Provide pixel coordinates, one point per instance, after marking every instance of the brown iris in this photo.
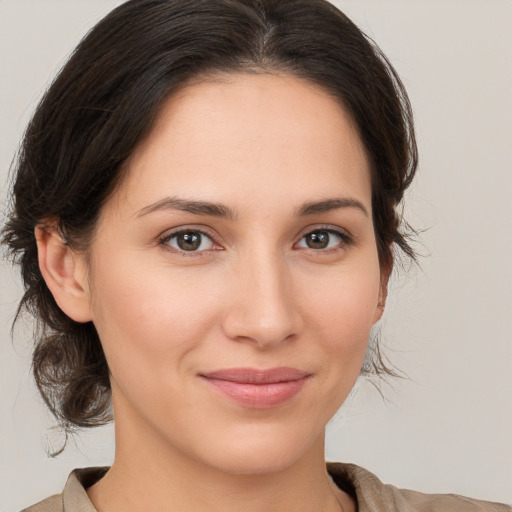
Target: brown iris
(317, 239)
(188, 241)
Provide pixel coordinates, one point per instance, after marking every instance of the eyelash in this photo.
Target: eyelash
(187, 254)
(345, 241)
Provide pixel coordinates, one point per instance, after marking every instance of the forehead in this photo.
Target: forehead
(254, 133)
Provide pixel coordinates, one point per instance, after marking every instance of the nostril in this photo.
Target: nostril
(265, 327)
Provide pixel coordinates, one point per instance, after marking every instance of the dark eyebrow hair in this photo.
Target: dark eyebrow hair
(331, 204)
(220, 210)
(191, 206)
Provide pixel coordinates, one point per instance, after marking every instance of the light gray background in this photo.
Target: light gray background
(449, 427)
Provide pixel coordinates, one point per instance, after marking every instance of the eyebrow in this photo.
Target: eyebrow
(198, 207)
(327, 205)
(191, 206)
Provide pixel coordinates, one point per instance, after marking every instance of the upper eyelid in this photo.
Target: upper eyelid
(167, 234)
(208, 231)
(165, 238)
(346, 239)
(326, 227)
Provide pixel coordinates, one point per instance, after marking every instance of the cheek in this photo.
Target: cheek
(341, 314)
(150, 315)
(344, 305)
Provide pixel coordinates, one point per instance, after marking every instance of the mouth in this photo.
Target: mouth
(255, 388)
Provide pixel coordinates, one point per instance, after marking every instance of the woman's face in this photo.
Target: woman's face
(240, 241)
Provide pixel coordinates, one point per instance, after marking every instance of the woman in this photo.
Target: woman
(205, 208)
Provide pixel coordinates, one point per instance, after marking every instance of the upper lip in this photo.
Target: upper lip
(257, 376)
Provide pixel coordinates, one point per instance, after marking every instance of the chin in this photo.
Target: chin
(257, 454)
(256, 464)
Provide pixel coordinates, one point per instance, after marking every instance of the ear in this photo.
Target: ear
(64, 272)
(383, 293)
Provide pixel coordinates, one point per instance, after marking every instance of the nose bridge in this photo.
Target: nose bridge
(262, 309)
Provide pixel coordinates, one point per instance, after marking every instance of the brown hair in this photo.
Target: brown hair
(103, 103)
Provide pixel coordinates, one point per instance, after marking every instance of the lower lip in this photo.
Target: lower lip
(258, 396)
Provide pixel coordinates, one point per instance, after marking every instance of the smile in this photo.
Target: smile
(258, 389)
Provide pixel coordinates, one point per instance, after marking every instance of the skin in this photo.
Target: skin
(254, 295)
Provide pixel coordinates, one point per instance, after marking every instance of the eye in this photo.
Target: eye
(189, 241)
(322, 239)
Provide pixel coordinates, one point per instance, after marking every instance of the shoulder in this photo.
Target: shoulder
(374, 496)
(74, 496)
(51, 504)
(450, 502)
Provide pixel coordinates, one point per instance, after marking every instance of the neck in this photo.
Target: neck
(152, 485)
(150, 475)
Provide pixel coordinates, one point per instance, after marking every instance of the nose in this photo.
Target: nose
(262, 309)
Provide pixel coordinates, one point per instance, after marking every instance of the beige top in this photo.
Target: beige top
(370, 493)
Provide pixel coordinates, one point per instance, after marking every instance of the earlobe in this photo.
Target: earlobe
(383, 294)
(379, 311)
(63, 271)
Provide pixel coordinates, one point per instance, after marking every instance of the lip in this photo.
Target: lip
(256, 388)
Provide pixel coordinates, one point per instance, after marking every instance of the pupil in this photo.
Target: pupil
(318, 240)
(189, 241)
